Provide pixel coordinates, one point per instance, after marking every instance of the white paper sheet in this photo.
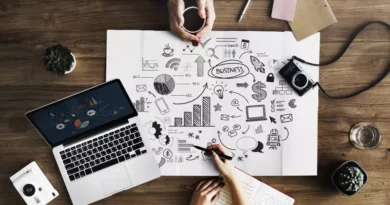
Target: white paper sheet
(178, 90)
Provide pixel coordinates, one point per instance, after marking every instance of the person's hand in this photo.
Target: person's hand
(206, 11)
(207, 192)
(176, 18)
(225, 166)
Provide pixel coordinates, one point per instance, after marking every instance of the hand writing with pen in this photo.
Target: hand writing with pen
(207, 191)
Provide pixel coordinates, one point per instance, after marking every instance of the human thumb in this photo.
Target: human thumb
(202, 8)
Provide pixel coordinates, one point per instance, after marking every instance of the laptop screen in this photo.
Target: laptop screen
(82, 113)
(257, 111)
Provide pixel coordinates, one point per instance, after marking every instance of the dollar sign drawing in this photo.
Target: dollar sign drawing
(167, 153)
(260, 93)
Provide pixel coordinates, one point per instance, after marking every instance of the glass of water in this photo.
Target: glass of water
(365, 136)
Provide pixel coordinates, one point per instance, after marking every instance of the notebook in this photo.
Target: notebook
(284, 9)
(310, 17)
(258, 192)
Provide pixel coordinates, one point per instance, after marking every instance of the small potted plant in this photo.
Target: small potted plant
(349, 178)
(60, 60)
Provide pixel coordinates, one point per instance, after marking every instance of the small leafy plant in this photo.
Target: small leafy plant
(58, 59)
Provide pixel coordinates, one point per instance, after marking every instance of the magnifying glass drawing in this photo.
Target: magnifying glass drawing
(210, 52)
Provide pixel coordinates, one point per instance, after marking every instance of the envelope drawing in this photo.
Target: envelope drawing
(141, 88)
(225, 117)
(286, 118)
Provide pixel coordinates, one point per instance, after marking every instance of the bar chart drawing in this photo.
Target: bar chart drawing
(140, 105)
(199, 117)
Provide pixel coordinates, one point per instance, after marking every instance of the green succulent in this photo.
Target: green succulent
(350, 179)
(58, 59)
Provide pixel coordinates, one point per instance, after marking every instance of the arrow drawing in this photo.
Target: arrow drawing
(288, 134)
(234, 116)
(242, 85)
(205, 86)
(239, 109)
(244, 53)
(151, 94)
(210, 63)
(200, 65)
(219, 136)
(254, 79)
(246, 130)
(231, 92)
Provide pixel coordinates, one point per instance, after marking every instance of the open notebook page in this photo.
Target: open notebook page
(249, 184)
(267, 195)
(257, 192)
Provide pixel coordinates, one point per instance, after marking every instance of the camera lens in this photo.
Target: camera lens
(300, 80)
(29, 190)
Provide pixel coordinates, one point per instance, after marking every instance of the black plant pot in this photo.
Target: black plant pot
(336, 173)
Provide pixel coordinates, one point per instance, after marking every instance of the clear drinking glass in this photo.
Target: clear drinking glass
(365, 136)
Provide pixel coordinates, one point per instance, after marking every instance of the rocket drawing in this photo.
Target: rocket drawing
(259, 66)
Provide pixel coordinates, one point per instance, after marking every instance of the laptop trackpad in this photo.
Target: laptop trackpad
(114, 180)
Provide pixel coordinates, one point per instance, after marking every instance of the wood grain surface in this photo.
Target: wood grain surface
(27, 27)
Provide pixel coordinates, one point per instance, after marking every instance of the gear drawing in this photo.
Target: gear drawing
(167, 140)
(157, 128)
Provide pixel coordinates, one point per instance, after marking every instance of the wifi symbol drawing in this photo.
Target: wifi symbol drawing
(174, 64)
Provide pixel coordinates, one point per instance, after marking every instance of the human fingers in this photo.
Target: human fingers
(210, 19)
(186, 36)
(202, 8)
(200, 184)
(215, 199)
(217, 147)
(220, 164)
(215, 191)
(176, 10)
(212, 186)
(206, 184)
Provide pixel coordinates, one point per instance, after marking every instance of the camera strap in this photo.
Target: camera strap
(340, 54)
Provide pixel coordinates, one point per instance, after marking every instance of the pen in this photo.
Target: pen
(186, 187)
(220, 154)
(244, 10)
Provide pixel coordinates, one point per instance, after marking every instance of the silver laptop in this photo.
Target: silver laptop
(98, 142)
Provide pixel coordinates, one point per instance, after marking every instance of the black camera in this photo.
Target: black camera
(296, 78)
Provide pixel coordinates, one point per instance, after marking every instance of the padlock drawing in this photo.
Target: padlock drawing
(270, 78)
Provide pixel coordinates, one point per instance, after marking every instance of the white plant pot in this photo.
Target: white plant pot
(73, 65)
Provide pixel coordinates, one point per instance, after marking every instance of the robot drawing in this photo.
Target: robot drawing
(273, 140)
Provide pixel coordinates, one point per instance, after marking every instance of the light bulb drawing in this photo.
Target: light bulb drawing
(218, 90)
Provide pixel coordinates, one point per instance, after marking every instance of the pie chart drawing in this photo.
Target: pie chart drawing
(164, 84)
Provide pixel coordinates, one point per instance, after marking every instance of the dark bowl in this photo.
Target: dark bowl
(353, 164)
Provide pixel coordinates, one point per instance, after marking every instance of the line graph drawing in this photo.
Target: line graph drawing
(150, 65)
(205, 86)
(189, 48)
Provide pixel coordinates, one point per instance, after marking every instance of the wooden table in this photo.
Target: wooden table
(27, 27)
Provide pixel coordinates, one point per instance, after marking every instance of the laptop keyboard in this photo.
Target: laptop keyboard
(103, 151)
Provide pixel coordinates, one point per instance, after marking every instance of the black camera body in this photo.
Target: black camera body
(296, 78)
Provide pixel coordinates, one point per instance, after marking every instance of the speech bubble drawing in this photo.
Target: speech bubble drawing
(236, 127)
(246, 143)
(232, 133)
(259, 147)
(229, 69)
